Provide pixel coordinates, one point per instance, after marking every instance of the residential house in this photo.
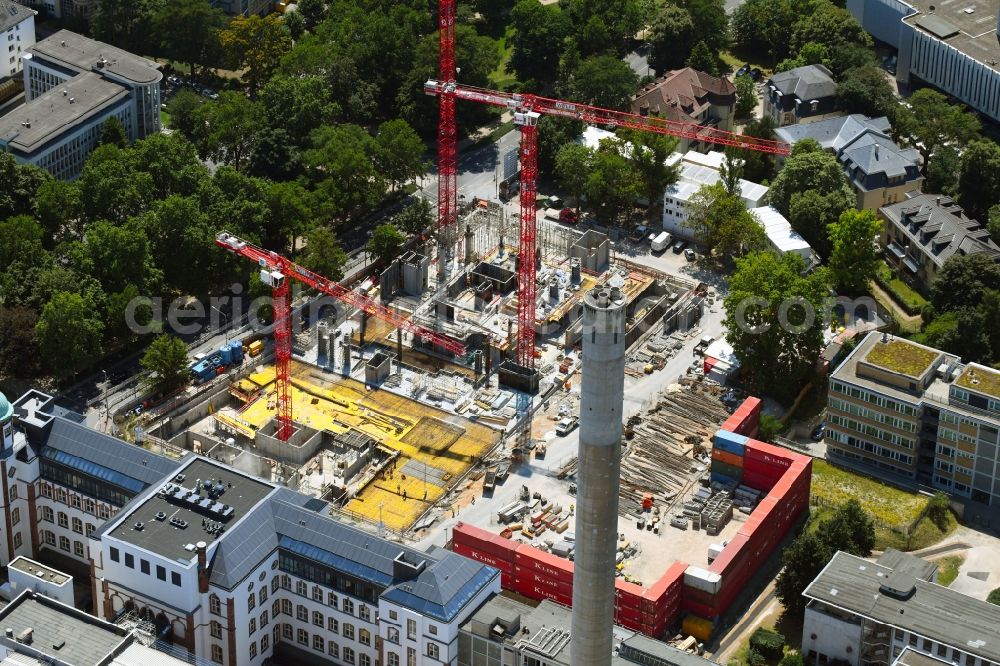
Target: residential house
(801, 95)
(689, 96)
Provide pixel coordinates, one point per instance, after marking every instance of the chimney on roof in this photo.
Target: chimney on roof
(200, 548)
(876, 151)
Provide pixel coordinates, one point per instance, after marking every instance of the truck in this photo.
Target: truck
(552, 214)
(661, 242)
(566, 425)
(256, 347)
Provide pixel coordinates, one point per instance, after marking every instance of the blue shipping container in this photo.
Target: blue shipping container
(730, 442)
(723, 479)
(226, 354)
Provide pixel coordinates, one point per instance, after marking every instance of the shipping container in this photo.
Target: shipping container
(725, 469)
(486, 558)
(698, 627)
(484, 541)
(758, 480)
(725, 480)
(731, 559)
(700, 609)
(506, 581)
(528, 589)
(669, 585)
(770, 453)
(699, 596)
(256, 347)
(624, 612)
(527, 576)
(702, 579)
(766, 468)
(726, 457)
(544, 563)
(745, 420)
(730, 442)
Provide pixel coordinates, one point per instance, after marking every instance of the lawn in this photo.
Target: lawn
(734, 61)
(893, 509)
(948, 569)
(164, 118)
(500, 77)
(905, 295)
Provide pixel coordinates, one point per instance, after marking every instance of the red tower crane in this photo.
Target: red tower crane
(527, 109)
(447, 133)
(276, 270)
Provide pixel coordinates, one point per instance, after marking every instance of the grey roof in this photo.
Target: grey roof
(165, 538)
(444, 588)
(29, 127)
(12, 13)
(639, 648)
(832, 133)
(897, 560)
(83, 54)
(109, 452)
(939, 226)
(911, 657)
(807, 83)
(926, 609)
(84, 640)
(875, 153)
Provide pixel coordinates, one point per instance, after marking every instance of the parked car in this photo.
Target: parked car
(819, 432)
(742, 71)
(639, 233)
(566, 425)
(756, 74)
(568, 216)
(689, 254)
(679, 246)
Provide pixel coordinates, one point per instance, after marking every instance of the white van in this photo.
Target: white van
(661, 242)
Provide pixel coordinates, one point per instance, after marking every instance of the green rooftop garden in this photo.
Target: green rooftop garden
(902, 357)
(980, 380)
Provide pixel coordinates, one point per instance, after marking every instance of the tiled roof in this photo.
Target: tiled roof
(807, 83)
(683, 94)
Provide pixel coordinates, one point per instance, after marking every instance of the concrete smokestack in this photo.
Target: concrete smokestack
(602, 392)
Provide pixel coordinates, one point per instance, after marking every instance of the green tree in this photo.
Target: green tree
(298, 105)
(850, 529)
(604, 81)
(182, 237)
(672, 38)
(184, 112)
(19, 184)
(723, 223)
(931, 121)
(111, 188)
(854, 257)
(758, 167)
(710, 22)
(866, 90)
(811, 191)
(772, 315)
(256, 44)
(19, 355)
(994, 597)
(295, 24)
(979, 178)
(171, 161)
(323, 253)
(746, 96)
(792, 659)
(165, 363)
(963, 281)
(292, 211)
(69, 333)
(313, 12)
(613, 184)
(415, 218)
(120, 256)
(554, 132)
(341, 164)
(801, 563)
(124, 23)
(763, 27)
(731, 172)
(573, 166)
(770, 428)
(22, 243)
(943, 171)
(604, 26)
(113, 132)
(57, 208)
(648, 157)
(539, 32)
(939, 508)
(188, 31)
(399, 153)
(827, 24)
(228, 129)
(386, 243)
(968, 338)
(703, 59)
(993, 222)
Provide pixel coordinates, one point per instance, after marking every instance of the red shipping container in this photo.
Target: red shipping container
(757, 480)
(669, 583)
(539, 593)
(633, 625)
(731, 558)
(631, 614)
(727, 457)
(699, 596)
(506, 581)
(545, 563)
(770, 470)
(485, 558)
(527, 576)
(484, 541)
(700, 609)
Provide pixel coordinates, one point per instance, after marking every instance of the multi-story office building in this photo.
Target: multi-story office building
(917, 412)
(229, 567)
(72, 84)
(868, 614)
(949, 45)
(17, 34)
(63, 8)
(245, 7)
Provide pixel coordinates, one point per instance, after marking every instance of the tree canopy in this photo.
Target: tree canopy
(854, 257)
(386, 243)
(931, 121)
(979, 178)
(166, 362)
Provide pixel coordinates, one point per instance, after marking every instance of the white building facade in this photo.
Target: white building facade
(17, 35)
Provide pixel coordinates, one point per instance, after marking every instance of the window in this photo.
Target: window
(74, 501)
(392, 635)
(348, 631)
(265, 642)
(47, 514)
(286, 631)
(333, 649)
(251, 602)
(433, 651)
(411, 657)
(942, 650)
(411, 629)
(317, 618)
(50, 537)
(364, 637)
(161, 573)
(217, 653)
(215, 629)
(286, 606)
(262, 595)
(77, 546)
(365, 613)
(302, 636)
(175, 578)
(317, 593)
(103, 511)
(64, 543)
(253, 626)
(77, 524)
(331, 599)
(318, 643)
(348, 655)
(90, 529)
(17, 543)
(301, 587)
(392, 659)
(15, 516)
(393, 615)
(253, 650)
(63, 520)
(214, 605)
(364, 660)
(265, 617)
(89, 505)
(129, 560)
(348, 606)
(286, 582)
(144, 566)
(301, 613)
(433, 629)
(274, 584)
(332, 625)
